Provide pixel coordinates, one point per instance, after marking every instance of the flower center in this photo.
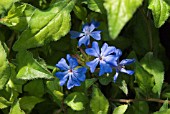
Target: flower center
(87, 33)
(101, 57)
(70, 71)
(120, 67)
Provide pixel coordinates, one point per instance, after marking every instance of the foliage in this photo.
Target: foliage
(69, 56)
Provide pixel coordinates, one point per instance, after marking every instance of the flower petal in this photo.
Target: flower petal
(75, 80)
(84, 40)
(118, 53)
(72, 61)
(60, 75)
(104, 68)
(94, 51)
(62, 65)
(63, 76)
(93, 25)
(106, 50)
(115, 77)
(91, 52)
(93, 64)
(130, 72)
(127, 61)
(80, 73)
(111, 60)
(75, 34)
(86, 28)
(70, 83)
(96, 35)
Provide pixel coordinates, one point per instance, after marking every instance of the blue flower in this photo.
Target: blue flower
(87, 31)
(120, 67)
(104, 59)
(69, 72)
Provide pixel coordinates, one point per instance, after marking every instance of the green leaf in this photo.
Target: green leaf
(55, 23)
(71, 111)
(15, 109)
(145, 35)
(119, 12)
(165, 94)
(99, 104)
(4, 67)
(144, 79)
(27, 103)
(80, 12)
(138, 108)
(160, 11)
(28, 73)
(30, 68)
(13, 82)
(18, 16)
(121, 42)
(85, 85)
(154, 67)
(106, 79)
(2, 36)
(55, 90)
(54, 85)
(76, 101)
(35, 85)
(4, 103)
(89, 82)
(96, 5)
(5, 5)
(120, 110)
(163, 112)
(14, 95)
(164, 106)
(123, 87)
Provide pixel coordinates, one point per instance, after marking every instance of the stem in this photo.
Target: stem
(137, 100)
(51, 67)
(59, 111)
(84, 54)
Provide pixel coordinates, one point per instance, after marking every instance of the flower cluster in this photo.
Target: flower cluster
(106, 58)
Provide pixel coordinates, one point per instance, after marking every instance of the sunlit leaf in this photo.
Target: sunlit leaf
(119, 12)
(55, 24)
(144, 79)
(123, 87)
(15, 109)
(164, 106)
(76, 100)
(99, 104)
(162, 112)
(154, 67)
(96, 5)
(120, 110)
(160, 11)
(4, 103)
(30, 68)
(28, 73)
(4, 67)
(5, 5)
